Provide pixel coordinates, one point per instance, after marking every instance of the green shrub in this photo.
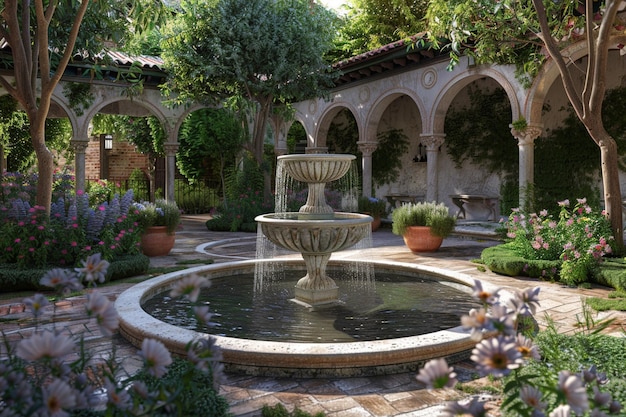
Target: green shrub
(200, 399)
(504, 259)
(13, 279)
(436, 216)
(279, 410)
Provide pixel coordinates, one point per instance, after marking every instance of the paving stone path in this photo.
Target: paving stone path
(394, 395)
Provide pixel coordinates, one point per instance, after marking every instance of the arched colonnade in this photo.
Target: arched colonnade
(431, 88)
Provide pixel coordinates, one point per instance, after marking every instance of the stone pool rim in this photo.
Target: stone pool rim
(283, 359)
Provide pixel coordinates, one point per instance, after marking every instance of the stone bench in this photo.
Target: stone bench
(489, 202)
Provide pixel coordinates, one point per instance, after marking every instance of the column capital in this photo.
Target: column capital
(170, 148)
(367, 148)
(527, 135)
(432, 141)
(80, 146)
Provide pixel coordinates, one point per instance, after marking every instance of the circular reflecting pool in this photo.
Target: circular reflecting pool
(396, 305)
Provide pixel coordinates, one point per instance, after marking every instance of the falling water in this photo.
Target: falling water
(359, 273)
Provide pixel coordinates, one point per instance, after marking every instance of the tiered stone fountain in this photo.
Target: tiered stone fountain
(315, 231)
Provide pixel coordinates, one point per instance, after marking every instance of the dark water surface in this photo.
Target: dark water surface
(395, 306)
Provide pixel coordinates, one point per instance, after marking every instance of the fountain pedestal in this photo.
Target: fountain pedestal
(315, 231)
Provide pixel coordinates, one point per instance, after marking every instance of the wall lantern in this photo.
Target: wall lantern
(108, 142)
(421, 154)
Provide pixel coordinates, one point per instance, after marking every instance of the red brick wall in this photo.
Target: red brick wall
(123, 159)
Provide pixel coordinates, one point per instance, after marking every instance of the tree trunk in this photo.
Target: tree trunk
(45, 164)
(611, 184)
(258, 137)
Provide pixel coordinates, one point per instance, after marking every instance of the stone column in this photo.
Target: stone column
(367, 149)
(170, 169)
(432, 142)
(79, 162)
(526, 144)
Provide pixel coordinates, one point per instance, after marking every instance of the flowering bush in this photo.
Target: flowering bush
(100, 191)
(74, 230)
(579, 238)
(505, 352)
(50, 372)
(159, 213)
(15, 185)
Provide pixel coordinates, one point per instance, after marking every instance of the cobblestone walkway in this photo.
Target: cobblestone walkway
(394, 395)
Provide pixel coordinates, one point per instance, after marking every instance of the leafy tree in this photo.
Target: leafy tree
(210, 140)
(43, 35)
(519, 32)
(252, 54)
(370, 24)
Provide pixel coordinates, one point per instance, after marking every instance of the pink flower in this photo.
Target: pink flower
(45, 345)
(156, 357)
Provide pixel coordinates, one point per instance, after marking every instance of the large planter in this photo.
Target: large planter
(155, 241)
(420, 239)
(376, 223)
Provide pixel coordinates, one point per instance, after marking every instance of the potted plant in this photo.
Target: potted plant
(375, 207)
(423, 226)
(158, 222)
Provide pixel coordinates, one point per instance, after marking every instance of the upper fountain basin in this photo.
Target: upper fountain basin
(296, 232)
(317, 168)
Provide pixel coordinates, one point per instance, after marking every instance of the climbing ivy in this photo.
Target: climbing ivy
(479, 134)
(79, 96)
(386, 159)
(567, 161)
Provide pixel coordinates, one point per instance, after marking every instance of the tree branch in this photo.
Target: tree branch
(555, 54)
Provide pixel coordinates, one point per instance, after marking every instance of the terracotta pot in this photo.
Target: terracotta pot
(156, 242)
(375, 223)
(420, 239)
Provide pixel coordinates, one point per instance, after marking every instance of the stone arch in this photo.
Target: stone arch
(549, 73)
(380, 105)
(450, 90)
(321, 133)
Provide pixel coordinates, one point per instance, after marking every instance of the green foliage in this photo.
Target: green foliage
(603, 304)
(79, 96)
(587, 350)
(498, 32)
(369, 24)
(279, 410)
(479, 132)
(195, 198)
(436, 216)
(373, 206)
(392, 144)
(232, 47)
(567, 165)
(579, 237)
(244, 200)
(505, 260)
(612, 273)
(210, 140)
(123, 266)
(199, 397)
(567, 162)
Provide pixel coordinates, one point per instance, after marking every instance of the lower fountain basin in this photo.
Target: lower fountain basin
(280, 359)
(302, 233)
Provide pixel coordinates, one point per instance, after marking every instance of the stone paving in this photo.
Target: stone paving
(393, 395)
